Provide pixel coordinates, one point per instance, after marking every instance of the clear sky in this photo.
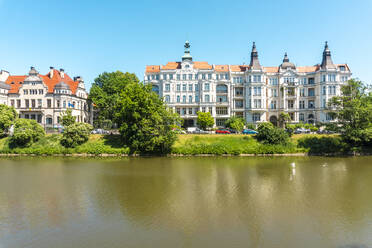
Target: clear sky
(88, 37)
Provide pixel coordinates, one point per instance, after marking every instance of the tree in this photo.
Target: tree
(236, 123)
(204, 120)
(67, 119)
(353, 111)
(7, 117)
(106, 90)
(268, 134)
(284, 118)
(26, 132)
(76, 134)
(145, 121)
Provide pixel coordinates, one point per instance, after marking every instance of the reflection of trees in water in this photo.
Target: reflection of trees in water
(196, 194)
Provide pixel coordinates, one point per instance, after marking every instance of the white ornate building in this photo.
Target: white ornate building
(254, 92)
(44, 97)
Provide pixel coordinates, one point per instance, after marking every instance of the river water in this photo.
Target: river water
(186, 202)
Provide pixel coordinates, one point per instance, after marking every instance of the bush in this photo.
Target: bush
(26, 132)
(76, 134)
(250, 126)
(323, 145)
(268, 134)
(236, 123)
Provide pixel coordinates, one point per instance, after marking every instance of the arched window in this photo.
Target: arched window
(221, 88)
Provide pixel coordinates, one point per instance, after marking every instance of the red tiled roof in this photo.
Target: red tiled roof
(239, 68)
(271, 69)
(308, 68)
(202, 65)
(153, 68)
(171, 66)
(221, 68)
(15, 82)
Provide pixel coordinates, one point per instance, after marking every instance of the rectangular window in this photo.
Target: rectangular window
(190, 87)
(196, 87)
(302, 104)
(221, 111)
(221, 99)
(178, 99)
(203, 76)
(190, 76)
(239, 104)
(329, 117)
(18, 103)
(220, 122)
(49, 103)
(302, 92)
(184, 87)
(290, 104)
(171, 76)
(257, 103)
(323, 78)
(256, 117)
(209, 76)
(273, 105)
(12, 103)
(167, 98)
(311, 104)
(311, 92)
(33, 103)
(178, 77)
(206, 87)
(238, 91)
(324, 90)
(190, 99)
(190, 111)
(311, 81)
(206, 98)
(157, 76)
(197, 98)
(184, 99)
(167, 87)
(39, 103)
(178, 88)
(184, 77)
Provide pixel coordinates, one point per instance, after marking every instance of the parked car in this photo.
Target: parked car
(249, 131)
(199, 131)
(100, 131)
(232, 130)
(179, 131)
(222, 131)
(301, 130)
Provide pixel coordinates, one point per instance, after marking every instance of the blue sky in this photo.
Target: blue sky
(87, 38)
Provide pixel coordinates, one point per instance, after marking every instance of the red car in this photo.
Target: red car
(223, 131)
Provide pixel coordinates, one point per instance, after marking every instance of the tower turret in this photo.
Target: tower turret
(327, 62)
(187, 56)
(255, 63)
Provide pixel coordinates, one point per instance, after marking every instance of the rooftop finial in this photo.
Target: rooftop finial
(255, 63)
(187, 55)
(286, 59)
(327, 60)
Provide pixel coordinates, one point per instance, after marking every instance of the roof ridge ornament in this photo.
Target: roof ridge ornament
(187, 56)
(327, 62)
(255, 63)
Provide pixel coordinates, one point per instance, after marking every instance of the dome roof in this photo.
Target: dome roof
(286, 64)
(33, 76)
(62, 86)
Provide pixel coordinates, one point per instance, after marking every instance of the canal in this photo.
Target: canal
(186, 202)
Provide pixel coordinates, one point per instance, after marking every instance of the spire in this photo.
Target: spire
(286, 59)
(187, 56)
(327, 62)
(255, 63)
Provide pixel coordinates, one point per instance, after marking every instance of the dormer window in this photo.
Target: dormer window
(187, 66)
(342, 68)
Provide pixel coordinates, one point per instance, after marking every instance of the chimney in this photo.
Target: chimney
(51, 73)
(62, 72)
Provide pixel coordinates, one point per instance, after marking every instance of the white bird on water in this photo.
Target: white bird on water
(293, 165)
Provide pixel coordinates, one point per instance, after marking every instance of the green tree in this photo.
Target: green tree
(106, 90)
(268, 134)
(204, 120)
(284, 118)
(67, 119)
(26, 132)
(145, 121)
(7, 117)
(353, 110)
(236, 123)
(76, 134)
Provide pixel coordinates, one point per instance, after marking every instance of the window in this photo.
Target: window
(324, 90)
(256, 117)
(39, 117)
(167, 98)
(64, 104)
(311, 92)
(302, 117)
(196, 87)
(49, 121)
(58, 104)
(311, 81)
(332, 78)
(184, 99)
(49, 103)
(39, 103)
(302, 104)
(190, 111)
(206, 98)
(178, 99)
(184, 87)
(220, 122)
(197, 98)
(221, 98)
(302, 92)
(323, 78)
(256, 78)
(290, 104)
(203, 76)
(343, 78)
(311, 104)
(329, 117)
(178, 88)
(209, 76)
(273, 81)
(178, 77)
(12, 103)
(257, 91)
(206, 86)
(184, 77)
(190, 99)
(178, 110)
(274, 93)
(165, 76)
(221, 111)
(257, 103)
(239, 104)
(25, 92)
(157, 76)
(18, 103)
(273, 105)
(332, 90)
(203, 109)
(171, 76)
(33, 103)
(303, 81)
(183, 111)
(190, 87)
(221, 88)
(342, 68)
(238, 91)
(167, 87)
(324, 103)
(41, 92)
(27, 116)
(190, 76)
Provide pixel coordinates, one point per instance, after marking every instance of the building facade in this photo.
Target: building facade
(253, 92)
(45, 97)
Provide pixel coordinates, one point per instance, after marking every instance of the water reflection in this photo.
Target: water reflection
(187, 202)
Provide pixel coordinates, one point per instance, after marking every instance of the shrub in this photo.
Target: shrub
(322, 145)
(26, 132)
(236, 123)
(76, 134)
(67, 119)
(251, 126)
(268, 134)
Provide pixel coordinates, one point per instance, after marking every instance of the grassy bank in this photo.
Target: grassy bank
(190, 144)
(50, 145)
